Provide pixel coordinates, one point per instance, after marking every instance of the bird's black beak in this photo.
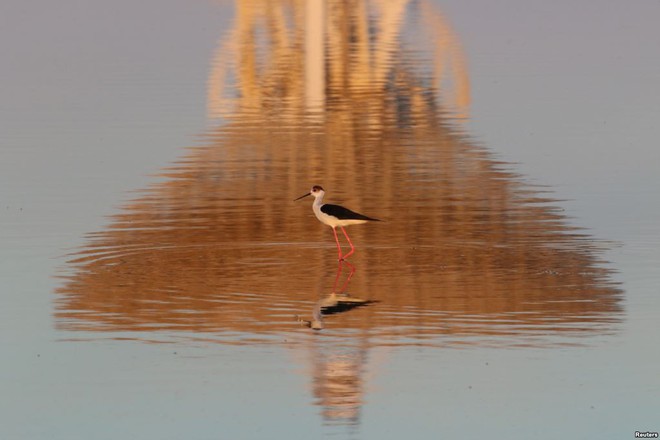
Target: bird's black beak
(302, 197)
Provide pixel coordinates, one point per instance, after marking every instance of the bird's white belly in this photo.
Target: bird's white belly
(334, 221)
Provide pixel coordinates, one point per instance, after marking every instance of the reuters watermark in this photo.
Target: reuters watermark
(646, 434)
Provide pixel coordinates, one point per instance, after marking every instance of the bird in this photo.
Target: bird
(335, 216)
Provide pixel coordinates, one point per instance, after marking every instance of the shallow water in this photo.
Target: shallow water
(495, 298)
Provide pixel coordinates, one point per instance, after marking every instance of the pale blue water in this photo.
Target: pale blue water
(97, 96)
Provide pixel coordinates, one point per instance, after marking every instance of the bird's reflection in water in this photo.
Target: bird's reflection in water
(337, 369)
(337, 301)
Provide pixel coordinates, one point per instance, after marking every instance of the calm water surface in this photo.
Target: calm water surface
(496, 299)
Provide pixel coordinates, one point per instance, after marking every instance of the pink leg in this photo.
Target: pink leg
(349, 242)
(338, 245)
(350, 275)
(334, 286)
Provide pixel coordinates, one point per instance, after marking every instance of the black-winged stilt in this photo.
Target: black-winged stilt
(335, 215)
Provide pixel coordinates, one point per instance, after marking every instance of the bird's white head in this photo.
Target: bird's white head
(316, 191)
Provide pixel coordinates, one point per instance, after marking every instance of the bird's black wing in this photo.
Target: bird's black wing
(344, 214)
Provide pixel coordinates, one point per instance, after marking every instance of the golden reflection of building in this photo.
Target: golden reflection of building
(294, 58)
(337, 381)
(468, 255)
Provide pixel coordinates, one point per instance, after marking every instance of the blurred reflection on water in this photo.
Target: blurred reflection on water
(467, 251)
(468, 254)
